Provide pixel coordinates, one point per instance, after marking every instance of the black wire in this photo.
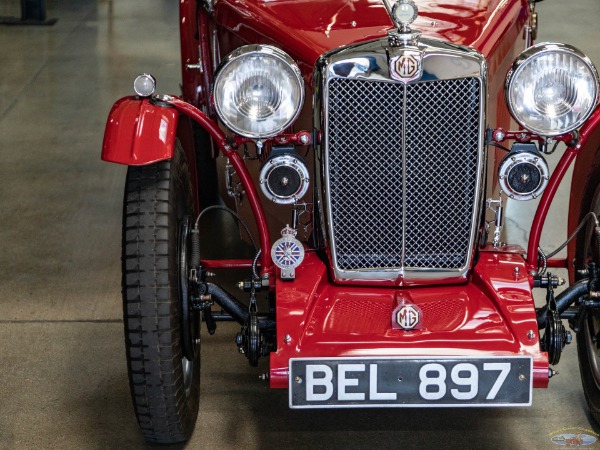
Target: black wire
(234, 214)
(495, 144)
(544, 258)
(254, 264)
(589, 215)
(553, 148)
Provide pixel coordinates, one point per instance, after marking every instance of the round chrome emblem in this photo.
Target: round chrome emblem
(404, 13)
(288, 252)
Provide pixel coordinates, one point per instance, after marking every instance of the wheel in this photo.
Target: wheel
(164, 375)
(588, 338)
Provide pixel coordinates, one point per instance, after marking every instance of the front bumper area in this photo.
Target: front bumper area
(492, 315)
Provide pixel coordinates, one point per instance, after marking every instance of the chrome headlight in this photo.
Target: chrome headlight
(552, 89)
(258, 91)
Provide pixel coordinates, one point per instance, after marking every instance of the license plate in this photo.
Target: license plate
(410, 382)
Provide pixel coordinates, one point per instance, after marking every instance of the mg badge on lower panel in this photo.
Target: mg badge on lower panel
(407, 316)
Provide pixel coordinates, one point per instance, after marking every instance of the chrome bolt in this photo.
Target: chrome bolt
(568, 337)
(353, 24)
(287, 339)
(197, 341)
(298, 379)
(517, 271)
(522, 377)
(530, 334)
(197, 66)
(304, 139)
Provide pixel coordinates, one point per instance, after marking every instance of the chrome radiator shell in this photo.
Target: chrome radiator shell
(379, 137)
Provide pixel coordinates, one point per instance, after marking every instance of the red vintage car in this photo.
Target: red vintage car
(365, 149)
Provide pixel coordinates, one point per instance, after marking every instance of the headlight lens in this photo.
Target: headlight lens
(258, 91)
(552, 89)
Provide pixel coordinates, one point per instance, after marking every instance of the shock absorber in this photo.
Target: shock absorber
(195, 256)
(202, 299)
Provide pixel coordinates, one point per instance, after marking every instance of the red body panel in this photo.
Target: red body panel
(306, 29)
(492, 315)
(138, 132)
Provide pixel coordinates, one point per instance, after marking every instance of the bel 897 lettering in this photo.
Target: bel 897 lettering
(433, 380)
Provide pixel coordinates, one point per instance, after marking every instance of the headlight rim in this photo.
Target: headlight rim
(258, 49)
(536, 51)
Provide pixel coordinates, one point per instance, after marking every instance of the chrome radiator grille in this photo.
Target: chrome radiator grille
(402, 164)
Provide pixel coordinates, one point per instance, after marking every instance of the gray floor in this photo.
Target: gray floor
(63, 381)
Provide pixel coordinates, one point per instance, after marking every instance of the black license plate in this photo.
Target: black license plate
(410, 382)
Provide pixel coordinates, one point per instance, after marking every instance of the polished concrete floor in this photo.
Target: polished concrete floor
(63, 381)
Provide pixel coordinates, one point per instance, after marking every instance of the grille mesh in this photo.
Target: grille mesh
(398, 207)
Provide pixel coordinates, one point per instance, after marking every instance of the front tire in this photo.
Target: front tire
(164, 383)
(588, 338)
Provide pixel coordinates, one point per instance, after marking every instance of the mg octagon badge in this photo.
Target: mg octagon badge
(407, 316)
(406, 66)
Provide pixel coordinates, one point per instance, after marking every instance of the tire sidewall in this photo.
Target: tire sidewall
(591, 386)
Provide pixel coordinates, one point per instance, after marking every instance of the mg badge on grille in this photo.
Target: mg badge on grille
(406, 66)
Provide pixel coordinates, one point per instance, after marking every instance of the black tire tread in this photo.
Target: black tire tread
(150, 300)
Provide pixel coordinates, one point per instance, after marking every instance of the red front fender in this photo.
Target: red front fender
(139, 132)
